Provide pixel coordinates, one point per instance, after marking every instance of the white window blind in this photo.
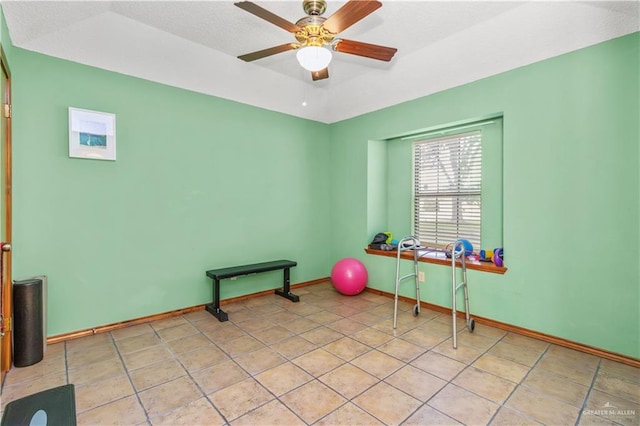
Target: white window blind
(448, 189)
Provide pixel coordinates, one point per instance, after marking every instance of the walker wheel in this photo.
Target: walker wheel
(416, 310)
(471, 324)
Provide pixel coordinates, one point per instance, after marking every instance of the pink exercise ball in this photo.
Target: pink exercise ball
(349, 276)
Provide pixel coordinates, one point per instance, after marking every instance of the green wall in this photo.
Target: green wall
(199, 183)
(570, 194)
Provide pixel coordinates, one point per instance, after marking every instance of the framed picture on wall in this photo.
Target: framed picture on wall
(92, 134)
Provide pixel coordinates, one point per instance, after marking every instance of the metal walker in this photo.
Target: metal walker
(457, 253)
(413, 245)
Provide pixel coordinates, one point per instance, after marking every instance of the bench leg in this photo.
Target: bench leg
(214, 308)
(286, 291)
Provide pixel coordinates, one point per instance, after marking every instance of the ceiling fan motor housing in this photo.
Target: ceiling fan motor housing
(312, 32)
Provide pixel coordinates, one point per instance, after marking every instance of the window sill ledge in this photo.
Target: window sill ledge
(408, 255)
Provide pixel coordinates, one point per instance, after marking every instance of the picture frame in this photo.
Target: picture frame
(92, 134)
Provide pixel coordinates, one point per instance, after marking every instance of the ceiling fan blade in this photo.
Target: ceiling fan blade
(349, 14)
(268, 16)
(320, 75)
(268, 52)
(373, 51)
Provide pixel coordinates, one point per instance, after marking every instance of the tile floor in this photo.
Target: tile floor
(328, 360)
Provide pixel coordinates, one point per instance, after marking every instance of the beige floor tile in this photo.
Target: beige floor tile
(378, 364)
(324, 400)
(367, 318)
(612, 408)
(131, 331)
(145, 357)
(240, 398)
(427, 415)
(343, 310)
(47, 366)
(125, 411)
(166, 397)
(406, 322)
(627, 372)
(293, 347)
(321, 335)
(346, 348)
(387, 403)
(198, 412)
(581, 359)
(509, 417)
(556, 386)
(240, 316)
(156, 374)
(474, 339)
(189, 343)
(266, 309)
(425, 338)
(372, 337)
(520, 340)
(283, 378)
(464, 406)
(260, 360)
(300, 325)
(240, 346)
(177, 332)
(487, 385)
(136, 343)
(219, 376)
(348, 380)
(349, 414)
(520, 354)
(29, 387)
(55, 350)
(168, 322)
(347, 326)
(492, 332)
(464, 354)
(254, 324)
(616, 385)
(401, 349)
(318, 362)
(438, 365)
(501, 367)
(417, 383)
(273, 413)
(272, 335)
(283, 317)
(222, 332)
(302, 308)
(88, 342)
(566, 368)
(324, 317)
(95, 372)
(542, 408)
(202, 358)
(90, 355)
(95, 394)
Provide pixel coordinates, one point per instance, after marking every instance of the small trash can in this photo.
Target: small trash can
(28, 324)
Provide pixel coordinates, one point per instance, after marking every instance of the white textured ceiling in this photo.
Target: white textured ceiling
(194, 44)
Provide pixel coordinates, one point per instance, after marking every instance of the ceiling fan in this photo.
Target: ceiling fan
(316, 34)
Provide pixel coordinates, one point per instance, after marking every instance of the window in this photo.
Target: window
(448, 189)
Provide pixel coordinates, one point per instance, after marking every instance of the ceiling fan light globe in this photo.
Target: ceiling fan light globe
(314, 58)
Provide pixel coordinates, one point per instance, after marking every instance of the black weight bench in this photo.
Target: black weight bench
(237, 271)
